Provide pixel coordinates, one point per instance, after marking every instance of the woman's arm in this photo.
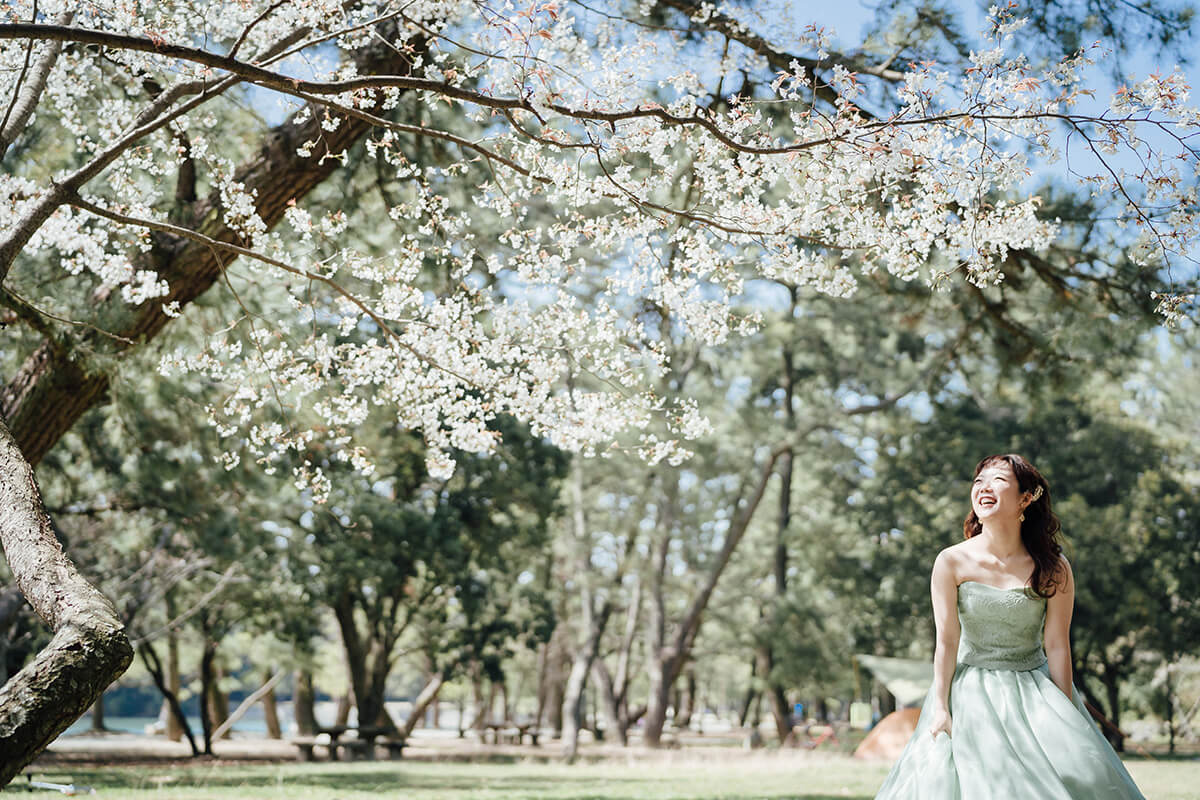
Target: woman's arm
(943, 588)
(1058, 628)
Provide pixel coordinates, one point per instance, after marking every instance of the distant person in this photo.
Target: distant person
(1002, 720)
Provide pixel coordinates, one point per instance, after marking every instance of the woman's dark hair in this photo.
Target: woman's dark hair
(1040, 528)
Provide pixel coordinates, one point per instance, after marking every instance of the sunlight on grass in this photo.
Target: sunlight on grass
(681, 778)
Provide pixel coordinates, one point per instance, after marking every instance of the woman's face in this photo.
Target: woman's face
(995, 494)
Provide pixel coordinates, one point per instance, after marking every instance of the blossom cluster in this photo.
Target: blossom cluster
(611, 186)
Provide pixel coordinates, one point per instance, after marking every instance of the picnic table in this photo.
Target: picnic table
(510, 733)
(361, 744)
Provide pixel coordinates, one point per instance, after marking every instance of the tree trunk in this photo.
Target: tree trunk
(218, 702)
(479, 710)
(224, 729)
(542, 683)
(343, 710)
(89, 649)
(207, 677)
(174, 728)
(556, 683)
(774, 693)
(1170, 691)
(664, 659)
(427, 696)
(594, 621)
(302, 704)
(489, 709)
(367, 662)
(657, 702)
(154, 667)
(98, 715)
(572, 711)
(620, 680)
(773, 689)
(271, 710)
(614, 725)
(744, 714)
(687, 701)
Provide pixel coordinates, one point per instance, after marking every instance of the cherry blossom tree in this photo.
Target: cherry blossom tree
(134, 189)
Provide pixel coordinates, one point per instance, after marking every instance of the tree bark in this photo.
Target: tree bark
(772, 687)
(154, 667)
(614, 725)
(554, 681)
(751, 690)
(342, 717)
(268, 687)
(271, 713)
(687, 701)
(302, 704)
(479, 711)
(25, 102)
(89, 649)
(367, 659)
(11, 601)
(207, 657)
(664, 659)
(98, 715)
(174, 728)
(427, 696)
(580, 667)
(218, 703)
(657, 701)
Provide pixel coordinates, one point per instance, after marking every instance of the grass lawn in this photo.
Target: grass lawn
(686, 777)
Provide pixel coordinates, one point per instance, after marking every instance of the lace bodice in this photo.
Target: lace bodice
(1001, 628)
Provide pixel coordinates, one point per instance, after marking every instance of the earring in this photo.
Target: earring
(1022, 518)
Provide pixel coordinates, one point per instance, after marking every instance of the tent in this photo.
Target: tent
(909, 681)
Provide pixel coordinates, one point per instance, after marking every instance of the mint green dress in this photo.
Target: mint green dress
(1014, 734)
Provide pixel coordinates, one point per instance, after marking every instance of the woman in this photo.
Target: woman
(1002, 720)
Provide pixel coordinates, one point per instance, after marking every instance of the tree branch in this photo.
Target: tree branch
(89, 648)
(26, 97)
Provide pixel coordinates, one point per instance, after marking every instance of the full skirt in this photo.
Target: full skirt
(1014, 736)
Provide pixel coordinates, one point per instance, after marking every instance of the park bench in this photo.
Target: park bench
(305, 745)
(361, 745)
(509, 733)
(357, 749)
(393, 745)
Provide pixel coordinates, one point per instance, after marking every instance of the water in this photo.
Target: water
(252, 724)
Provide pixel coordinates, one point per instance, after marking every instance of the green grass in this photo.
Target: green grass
(687, 777)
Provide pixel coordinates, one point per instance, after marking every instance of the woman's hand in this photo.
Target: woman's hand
(941, 722)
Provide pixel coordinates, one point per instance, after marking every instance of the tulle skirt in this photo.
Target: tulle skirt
(1014, 736)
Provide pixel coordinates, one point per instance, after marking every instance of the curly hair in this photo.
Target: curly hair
(1039, 531)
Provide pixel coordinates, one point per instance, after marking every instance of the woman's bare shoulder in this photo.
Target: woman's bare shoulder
(953, 558)
(1064, 576)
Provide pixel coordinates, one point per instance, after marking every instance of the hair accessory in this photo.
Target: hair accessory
(1037, 492)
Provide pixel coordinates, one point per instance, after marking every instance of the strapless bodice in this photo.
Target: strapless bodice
(1001, 628)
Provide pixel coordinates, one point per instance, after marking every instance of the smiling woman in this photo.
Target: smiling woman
(1002, 693)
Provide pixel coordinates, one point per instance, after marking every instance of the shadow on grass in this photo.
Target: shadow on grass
(384, 780)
